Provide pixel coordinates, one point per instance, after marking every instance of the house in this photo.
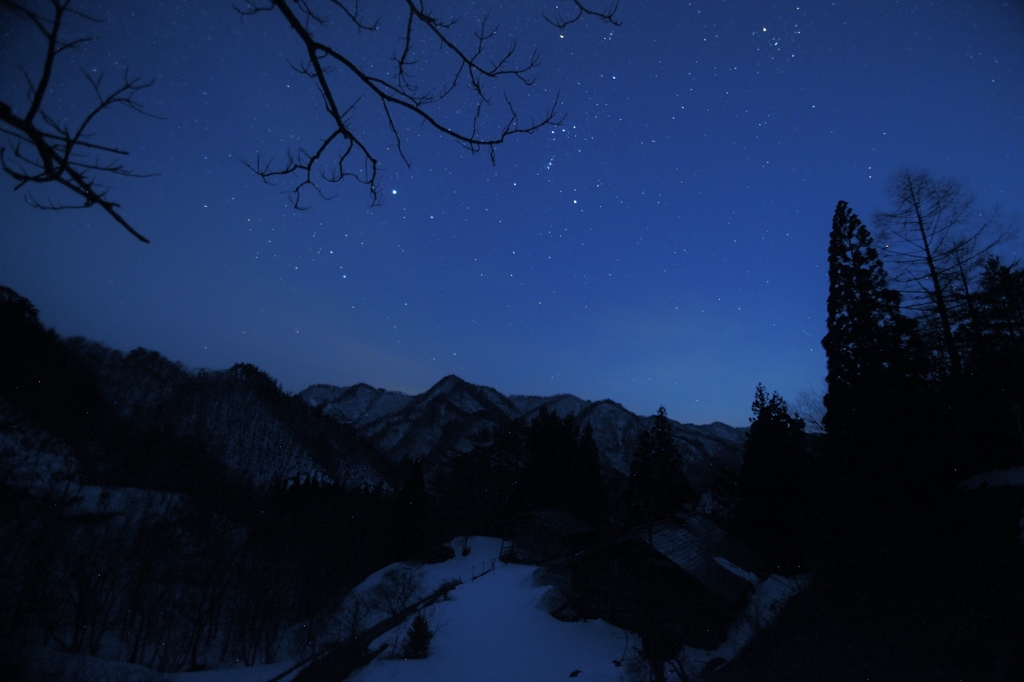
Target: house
(542, 536)
(683, 575)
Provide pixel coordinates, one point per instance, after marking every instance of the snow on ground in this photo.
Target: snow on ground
(495, 628)
(256, 673)
(1010, 477)
(482, 557)
(765, 605)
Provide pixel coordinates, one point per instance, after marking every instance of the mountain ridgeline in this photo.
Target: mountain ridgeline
(148, 509)
(453, 416)
(140, 406)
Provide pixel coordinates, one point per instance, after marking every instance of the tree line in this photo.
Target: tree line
(187, 559)
(925, 375)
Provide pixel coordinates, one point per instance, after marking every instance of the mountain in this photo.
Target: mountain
(140, 419)
(151, 422)
(454, 414)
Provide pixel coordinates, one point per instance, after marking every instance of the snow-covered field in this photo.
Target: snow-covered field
(494, 626)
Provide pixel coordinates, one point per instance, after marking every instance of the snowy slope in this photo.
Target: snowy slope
(450, 415)
(496, 628)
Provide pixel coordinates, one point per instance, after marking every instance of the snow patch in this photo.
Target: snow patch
(1002, 477)
(764, 607)
(737, 571)
(496, 628)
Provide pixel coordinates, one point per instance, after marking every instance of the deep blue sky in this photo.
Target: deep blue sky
(667, 246)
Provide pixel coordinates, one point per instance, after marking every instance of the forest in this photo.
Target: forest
(141, 522)
(189, 519)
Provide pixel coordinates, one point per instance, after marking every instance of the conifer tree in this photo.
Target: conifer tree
(417, 641)
(562, 468)
(1000, 326)
(869, 342)
(774, 486)
(589, 498)
(873, 364)
(657, 484)
(547, 475)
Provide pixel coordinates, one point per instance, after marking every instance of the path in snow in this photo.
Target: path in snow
(495, 628)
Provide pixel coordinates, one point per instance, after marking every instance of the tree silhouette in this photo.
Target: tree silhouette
(992, 391)
(562, 468)
(589, 497)
(938, 240)
(868, 340)
(470, 65)
(417, 641)
(873, 360)
(657, 485)
(482, 481)
(1001, 308)
(46, 151)
(774, 485)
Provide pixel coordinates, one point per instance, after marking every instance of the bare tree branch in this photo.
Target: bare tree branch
(581, 10)
(44, 151)
(937, 240)
(476, 65)
(41, 150)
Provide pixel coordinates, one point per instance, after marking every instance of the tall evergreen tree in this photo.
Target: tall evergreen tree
(481, 486)
(562, 468)
(869, 342)
(992, 392)
(657, 484)
(872, 357)
(774, 485)
(550, 441)
(589, 498)
(1000, 326)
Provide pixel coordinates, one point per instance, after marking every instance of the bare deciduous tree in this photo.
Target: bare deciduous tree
(810, 406)
(937, 239)
(399, 89)
(44, 151)
(396, 590)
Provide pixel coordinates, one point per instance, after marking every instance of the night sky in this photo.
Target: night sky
(666, 246)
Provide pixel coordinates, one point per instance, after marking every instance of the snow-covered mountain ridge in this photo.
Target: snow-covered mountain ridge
(453, 414)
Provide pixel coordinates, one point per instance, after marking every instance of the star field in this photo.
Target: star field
(666, 246)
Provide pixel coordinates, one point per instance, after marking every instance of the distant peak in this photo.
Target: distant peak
(448, 382)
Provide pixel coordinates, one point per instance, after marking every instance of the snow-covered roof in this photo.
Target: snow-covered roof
(694, 544)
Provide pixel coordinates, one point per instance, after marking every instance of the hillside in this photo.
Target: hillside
(178, 518)
(453, 415)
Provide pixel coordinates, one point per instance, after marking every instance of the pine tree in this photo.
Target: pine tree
(589, 500)
(774, 485)
(869, 342)
(417, 641)
(547, 474)
(562, 469)
(873, 361)
(657, 484)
